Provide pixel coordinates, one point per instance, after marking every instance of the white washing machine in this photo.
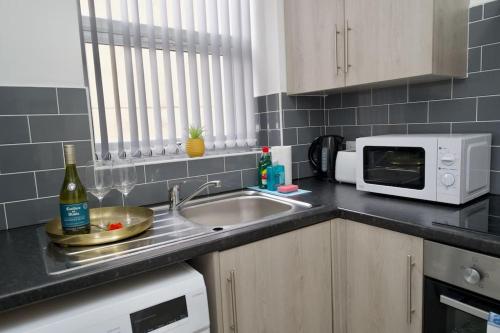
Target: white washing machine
(168, 300)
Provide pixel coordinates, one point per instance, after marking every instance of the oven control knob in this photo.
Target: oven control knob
(472, 275)
(448, 159)
(447, 179)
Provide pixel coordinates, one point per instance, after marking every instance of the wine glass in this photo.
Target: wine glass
(125, 178)
(99, 179)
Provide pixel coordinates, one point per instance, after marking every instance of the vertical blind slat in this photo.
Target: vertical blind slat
(165, 39)
(193, 67)
(246, 37)
(98, 80)
(213, 28)
(155, 87)
(205, 74)
(181, 78)
(228, 75)
(239, 96)
(141, 88)
(114, 77)
(129, 74)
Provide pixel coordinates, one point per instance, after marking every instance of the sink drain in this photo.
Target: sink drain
(218, 229)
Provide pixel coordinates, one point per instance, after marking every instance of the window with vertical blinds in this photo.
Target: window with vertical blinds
(157, 67)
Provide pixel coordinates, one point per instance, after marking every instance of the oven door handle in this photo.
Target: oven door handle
(464, 307)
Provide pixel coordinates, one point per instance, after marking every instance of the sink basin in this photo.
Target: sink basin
(240, 208)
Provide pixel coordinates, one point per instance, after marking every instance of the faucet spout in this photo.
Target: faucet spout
(174, 194)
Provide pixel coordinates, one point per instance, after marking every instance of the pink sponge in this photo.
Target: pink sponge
(287, 188)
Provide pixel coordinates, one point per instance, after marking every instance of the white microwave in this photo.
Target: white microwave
(449, 168)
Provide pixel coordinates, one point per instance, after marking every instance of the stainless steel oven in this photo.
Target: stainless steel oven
(461, 289)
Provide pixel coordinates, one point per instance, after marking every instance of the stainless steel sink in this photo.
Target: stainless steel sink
(240, 208)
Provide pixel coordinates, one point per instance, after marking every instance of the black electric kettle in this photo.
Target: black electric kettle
(322, 155)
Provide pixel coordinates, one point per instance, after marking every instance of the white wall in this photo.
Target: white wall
(268, 43)
(40, 43)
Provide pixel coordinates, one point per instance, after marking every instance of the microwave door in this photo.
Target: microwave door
(402, 167)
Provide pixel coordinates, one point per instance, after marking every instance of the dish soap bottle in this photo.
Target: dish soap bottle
(265, 161)
(73, 198)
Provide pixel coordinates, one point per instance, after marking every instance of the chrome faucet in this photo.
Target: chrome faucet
(174, 202)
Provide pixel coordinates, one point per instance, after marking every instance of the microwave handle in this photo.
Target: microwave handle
(464, 307)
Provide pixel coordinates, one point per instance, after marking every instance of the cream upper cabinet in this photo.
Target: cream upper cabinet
(314, 34)
(377, 279)
(280, 284)
(379, 42)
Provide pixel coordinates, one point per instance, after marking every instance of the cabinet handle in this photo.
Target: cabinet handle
(232, 285)
(337, 33)
(409, 266)
(346, 51)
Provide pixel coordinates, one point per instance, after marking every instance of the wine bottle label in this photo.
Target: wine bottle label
(75, 216)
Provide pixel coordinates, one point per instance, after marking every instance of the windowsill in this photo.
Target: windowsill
(180, 157)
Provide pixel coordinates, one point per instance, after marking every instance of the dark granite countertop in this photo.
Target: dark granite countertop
(24, 278)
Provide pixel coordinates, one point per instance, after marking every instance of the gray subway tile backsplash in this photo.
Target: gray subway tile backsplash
(289, 136)
(389, 95)
(230, 181)
(373, 115)
(430, 91)
(478, 84)
(389, 129)
(72, 100)
(317, 118)
(356, 98)
(274, 137)
(28, 212)
(429, 128)
(353, 132)
(308, 134)
(59, 128)
(491, 57)
(165, 171)
(240, 162)
(484, 32)
(488, 108)
(475, 13)
(491, 9)
(3, 222)
(296, 118)
(452, 110)
(197, 167)
(49, 181)
(273, 120)
(288, 102)
(14, 129)
(345, 116)
(495, 158)
(20, 186)
(31, 157)
(147, 194)
(310, 102)
(299, 153)
(249, 177)
(272, 102)
(27, 100)
(474, 61)
(408, 113)
(492, 127)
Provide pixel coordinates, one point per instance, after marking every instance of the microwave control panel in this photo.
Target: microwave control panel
(448, 169)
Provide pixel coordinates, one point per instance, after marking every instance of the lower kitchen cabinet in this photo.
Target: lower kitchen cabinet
(377, 279)
(279, 284)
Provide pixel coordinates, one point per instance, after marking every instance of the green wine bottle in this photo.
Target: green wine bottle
(73, 198)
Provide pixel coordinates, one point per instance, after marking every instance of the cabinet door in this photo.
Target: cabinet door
(314, 40)
(280, 284)
(388, 40)
(377, 279)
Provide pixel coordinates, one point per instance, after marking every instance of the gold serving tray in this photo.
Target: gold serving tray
(134, 219)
